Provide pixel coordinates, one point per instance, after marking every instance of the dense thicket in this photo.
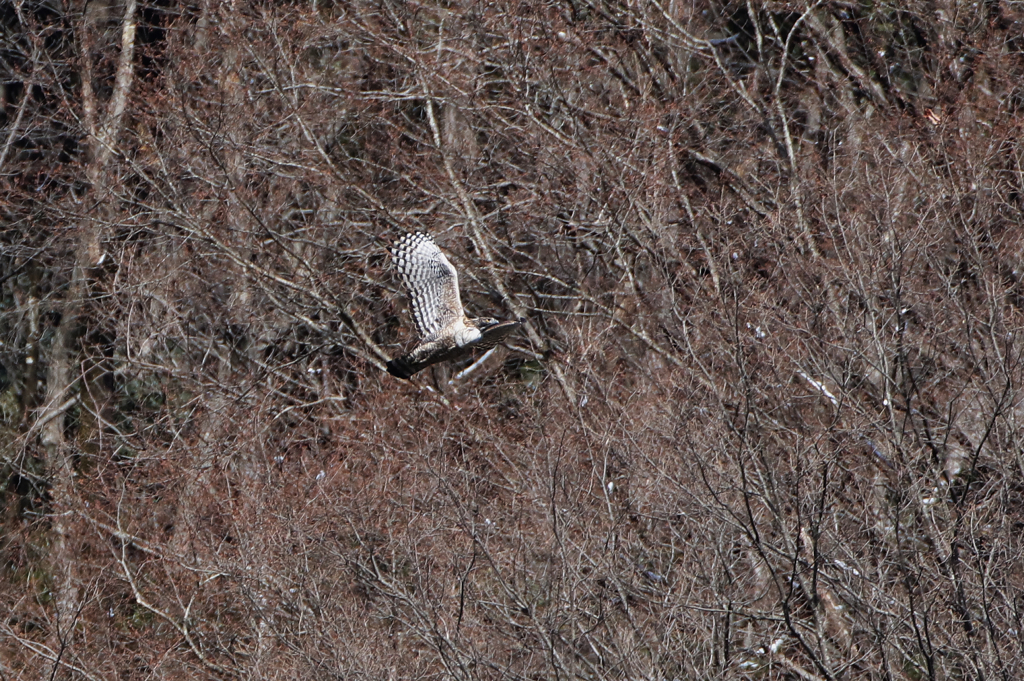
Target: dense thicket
(765, 419)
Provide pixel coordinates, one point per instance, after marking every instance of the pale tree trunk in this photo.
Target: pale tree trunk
(64, 361)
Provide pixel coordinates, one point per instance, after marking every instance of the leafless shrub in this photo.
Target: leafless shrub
(763, 421)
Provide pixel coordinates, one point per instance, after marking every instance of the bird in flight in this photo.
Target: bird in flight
(445, 332)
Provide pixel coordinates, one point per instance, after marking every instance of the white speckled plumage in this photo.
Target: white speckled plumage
(446, 333)
(432, 283)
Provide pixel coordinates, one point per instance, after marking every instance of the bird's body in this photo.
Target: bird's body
(446, 333)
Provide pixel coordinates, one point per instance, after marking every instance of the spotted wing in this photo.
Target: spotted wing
(432, 283)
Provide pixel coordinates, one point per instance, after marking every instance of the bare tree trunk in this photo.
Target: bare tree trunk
(64, 352)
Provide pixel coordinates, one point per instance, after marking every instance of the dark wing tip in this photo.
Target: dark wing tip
(399, 368)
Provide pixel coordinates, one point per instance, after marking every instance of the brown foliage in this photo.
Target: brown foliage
(764, 420)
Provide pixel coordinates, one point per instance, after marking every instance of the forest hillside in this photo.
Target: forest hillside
(764, 419)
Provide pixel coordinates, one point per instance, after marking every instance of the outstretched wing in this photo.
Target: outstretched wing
(432, 283)
(496, 333)
(432, 352)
